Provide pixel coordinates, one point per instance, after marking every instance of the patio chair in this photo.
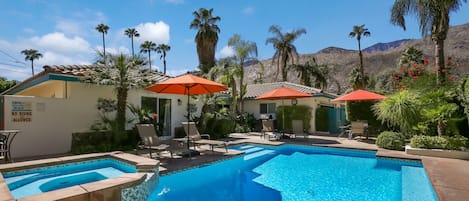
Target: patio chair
(150, 141)
(198, 139)
(298, 129)
(268, 130)
(357, 128)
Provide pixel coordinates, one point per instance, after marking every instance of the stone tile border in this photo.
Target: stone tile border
(108, 189)
(464, 155)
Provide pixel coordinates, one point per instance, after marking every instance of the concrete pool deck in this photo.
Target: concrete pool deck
(448, 176)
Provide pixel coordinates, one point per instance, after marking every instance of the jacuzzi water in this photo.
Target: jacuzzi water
(298, 173)
(39, 180)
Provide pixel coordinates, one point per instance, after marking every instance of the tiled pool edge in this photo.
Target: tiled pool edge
(109, 189)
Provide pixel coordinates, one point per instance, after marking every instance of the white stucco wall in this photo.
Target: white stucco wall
(55, 119)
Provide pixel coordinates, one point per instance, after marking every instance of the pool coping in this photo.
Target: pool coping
(108, 189)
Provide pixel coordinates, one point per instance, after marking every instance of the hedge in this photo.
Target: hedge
(391, 140)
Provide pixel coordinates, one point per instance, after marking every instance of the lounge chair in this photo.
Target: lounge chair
(298, 129)
(198, 139)
(268, 130)
(357, 128)
(151, 142)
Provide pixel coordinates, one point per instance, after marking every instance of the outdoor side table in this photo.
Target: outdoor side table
(8, 136)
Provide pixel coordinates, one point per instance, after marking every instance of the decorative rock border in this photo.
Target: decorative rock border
(438, 153)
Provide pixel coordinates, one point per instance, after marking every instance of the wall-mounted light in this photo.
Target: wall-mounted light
(294, 101)
(179, 101)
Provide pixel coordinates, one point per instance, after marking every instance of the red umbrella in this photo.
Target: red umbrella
(360, 95)
(187, 84)
(283, 93)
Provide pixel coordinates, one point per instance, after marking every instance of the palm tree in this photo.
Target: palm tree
(226, 72)
(433, 17)
(131, 33)
(102, 28)
(284, 48)
(206, 38)
(162, 49)
(122, 72)
(148, 47)
(31, 55)
(244, 51)
(358, 31)
(411, 56)
(312, 69)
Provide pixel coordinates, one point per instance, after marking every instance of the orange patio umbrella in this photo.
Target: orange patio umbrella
(283, 93)
(187, 84)
(360, 95)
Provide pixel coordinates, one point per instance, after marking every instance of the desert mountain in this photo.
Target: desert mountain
(376, 58)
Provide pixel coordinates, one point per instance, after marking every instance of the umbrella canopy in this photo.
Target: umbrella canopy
(282, 93)
(360, 95)
(187, 84)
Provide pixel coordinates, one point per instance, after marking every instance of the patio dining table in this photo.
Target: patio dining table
(6, 139)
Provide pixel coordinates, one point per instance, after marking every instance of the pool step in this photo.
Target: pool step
(415, 184)
(254, 149)
(246, 147)
(258, 154)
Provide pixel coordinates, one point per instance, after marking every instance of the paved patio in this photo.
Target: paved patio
(448, 176)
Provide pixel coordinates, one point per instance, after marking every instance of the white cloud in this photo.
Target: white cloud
(177, 72)
(176, 2)
(248, 10)
(157, 32)
(58, 42)
(54, 58)
(226, 51)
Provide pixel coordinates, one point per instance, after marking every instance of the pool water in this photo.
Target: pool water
(298, 173)
(35, 181)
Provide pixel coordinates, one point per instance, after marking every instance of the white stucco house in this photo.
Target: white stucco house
(262, 109)
(51, 105)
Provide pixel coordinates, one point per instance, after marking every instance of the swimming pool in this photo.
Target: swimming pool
(39, 180)
(298, 173)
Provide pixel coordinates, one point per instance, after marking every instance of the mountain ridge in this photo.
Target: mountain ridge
(383, 57)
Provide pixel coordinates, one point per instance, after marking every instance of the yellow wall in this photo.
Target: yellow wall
(48, 89)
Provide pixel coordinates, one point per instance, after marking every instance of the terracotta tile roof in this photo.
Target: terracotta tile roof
(81, 71)
(254, 90)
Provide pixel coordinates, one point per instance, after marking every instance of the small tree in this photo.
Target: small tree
(124, 73)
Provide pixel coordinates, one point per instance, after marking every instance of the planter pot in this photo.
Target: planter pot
(438, 153)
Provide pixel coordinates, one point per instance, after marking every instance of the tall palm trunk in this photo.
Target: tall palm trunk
(164, 62)
(121, 106)
(440, 60)
(104, 48)
(132, 41)
(362, 71)
(241, 88)
(149, 59)
(284, 67)
(32, 66)
(234, 94)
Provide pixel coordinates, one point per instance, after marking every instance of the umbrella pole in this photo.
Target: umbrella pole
(188, 121)
(283, 118)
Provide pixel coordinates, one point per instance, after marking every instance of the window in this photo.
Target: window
(162, 107)
(267, 108)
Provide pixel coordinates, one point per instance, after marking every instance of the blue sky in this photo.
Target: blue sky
(63, 30)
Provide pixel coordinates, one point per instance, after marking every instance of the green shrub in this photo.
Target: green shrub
(302, 112)
(391, 140)
(321, 119)
(457, 143)
(428, 142)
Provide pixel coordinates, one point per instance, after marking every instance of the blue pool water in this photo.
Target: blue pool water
(35, 181)
(298, 173)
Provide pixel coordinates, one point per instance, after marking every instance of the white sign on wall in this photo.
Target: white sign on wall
(21, 111)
